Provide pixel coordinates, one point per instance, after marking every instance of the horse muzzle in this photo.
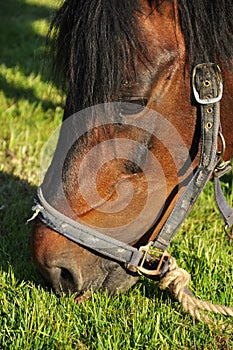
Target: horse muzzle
(69, 268)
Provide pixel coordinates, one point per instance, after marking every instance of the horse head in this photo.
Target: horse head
(130, 140)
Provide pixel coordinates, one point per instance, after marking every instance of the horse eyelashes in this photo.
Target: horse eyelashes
(133, 106)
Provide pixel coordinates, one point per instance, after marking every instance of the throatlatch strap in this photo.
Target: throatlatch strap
(223, 207)
(207, 88)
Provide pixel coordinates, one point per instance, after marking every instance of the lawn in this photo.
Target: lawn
(31, 315)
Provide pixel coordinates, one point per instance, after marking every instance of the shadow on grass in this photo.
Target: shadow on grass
(18, 93)
(22, 46)
(16, 200)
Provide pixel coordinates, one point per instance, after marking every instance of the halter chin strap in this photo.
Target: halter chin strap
(207, 89)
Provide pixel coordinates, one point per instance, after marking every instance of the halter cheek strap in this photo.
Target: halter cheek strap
(207, 89)
(153, 258)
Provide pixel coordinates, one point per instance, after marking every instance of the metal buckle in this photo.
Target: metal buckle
(205, 101)
(222, 168)
(160, 256)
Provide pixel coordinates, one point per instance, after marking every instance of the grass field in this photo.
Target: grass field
(31, 316)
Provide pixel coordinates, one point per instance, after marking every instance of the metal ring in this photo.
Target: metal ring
(221, 153)
(209, 125)
(209, 110)
(206, 83)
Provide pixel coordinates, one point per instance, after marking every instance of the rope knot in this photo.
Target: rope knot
(176, 280)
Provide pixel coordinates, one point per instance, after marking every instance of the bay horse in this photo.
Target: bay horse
(141, 76)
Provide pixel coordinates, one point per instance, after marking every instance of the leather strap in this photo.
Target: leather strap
(207, 88)
(223, 206)
(84, 235)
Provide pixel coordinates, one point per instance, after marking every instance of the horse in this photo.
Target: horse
(139, 76)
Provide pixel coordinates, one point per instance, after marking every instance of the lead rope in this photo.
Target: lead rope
(176, 280)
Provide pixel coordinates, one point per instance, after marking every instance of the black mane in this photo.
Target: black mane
(207, 27)
(93, 42)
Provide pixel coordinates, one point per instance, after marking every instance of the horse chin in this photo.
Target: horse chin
(117, 280)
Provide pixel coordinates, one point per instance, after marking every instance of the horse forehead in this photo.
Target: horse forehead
(161, 26)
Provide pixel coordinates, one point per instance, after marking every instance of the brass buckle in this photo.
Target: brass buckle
(205, 101)
(160, 255)
(222, 168)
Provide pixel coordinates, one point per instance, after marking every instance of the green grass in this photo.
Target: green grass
(31, 316)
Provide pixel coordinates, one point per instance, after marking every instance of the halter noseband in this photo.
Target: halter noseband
(153, 258)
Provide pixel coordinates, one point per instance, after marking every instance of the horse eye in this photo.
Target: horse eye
(133, 106)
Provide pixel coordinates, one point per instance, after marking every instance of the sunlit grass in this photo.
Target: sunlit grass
(31, 316)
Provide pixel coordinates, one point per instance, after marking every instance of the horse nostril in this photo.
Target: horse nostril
(63, 280)
(67, 280)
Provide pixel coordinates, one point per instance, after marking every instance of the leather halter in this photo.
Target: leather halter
(207, 90)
